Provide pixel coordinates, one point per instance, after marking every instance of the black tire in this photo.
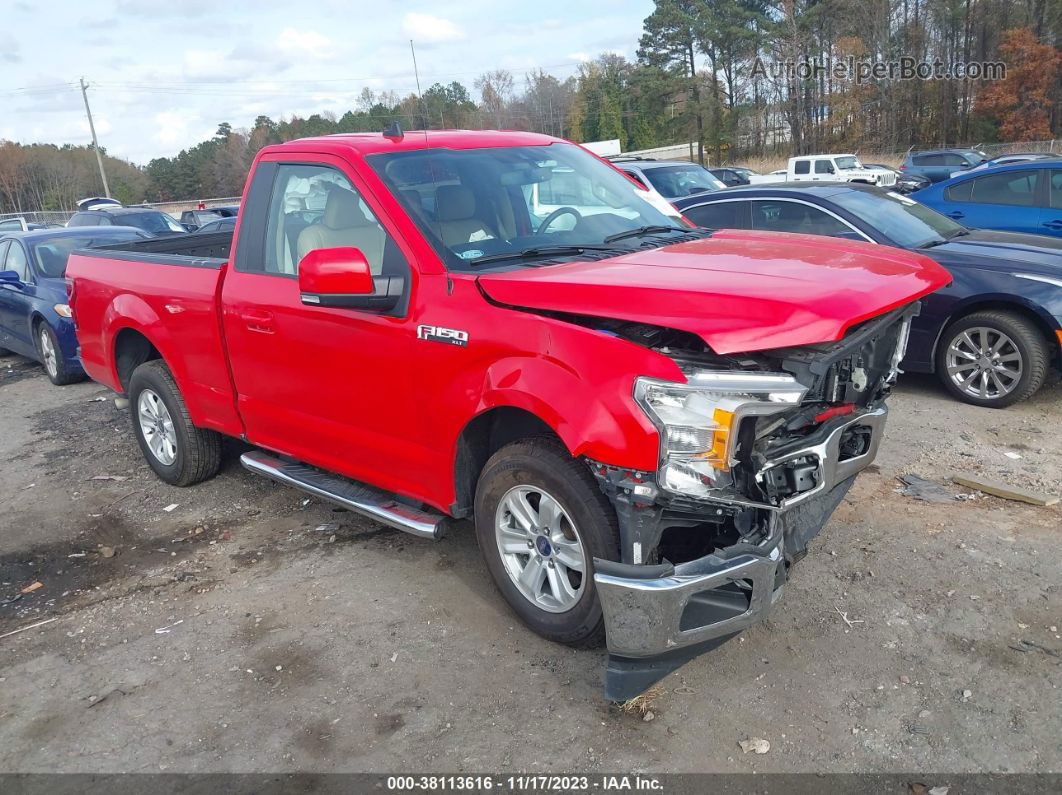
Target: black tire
(55, 367)
(198, 451)
(543, 462)
(1028, 342)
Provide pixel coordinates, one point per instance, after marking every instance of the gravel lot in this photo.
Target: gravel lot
(250, 629)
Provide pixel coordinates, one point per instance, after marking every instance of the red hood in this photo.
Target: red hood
(739, 291)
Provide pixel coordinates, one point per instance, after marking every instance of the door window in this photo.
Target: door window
(823, 167)
(720, 215)
(316, 207)
(802, 167)
(953, 160)
(16, 261)
(3, 253)
(1017, 188)
(1056, 190)
(783, 216)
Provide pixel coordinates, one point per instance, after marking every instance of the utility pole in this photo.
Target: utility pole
(95, 143)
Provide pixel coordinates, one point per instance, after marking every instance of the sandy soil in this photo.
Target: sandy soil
(251, 629)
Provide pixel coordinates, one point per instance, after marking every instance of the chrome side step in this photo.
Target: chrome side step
(366, 500)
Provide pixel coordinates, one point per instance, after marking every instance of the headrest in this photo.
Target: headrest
(343, 210)
(454, 203)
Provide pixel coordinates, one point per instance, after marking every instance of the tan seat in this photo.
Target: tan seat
(344, 223)
(455, 210)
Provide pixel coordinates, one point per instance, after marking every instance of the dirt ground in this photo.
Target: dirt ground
(238, 626)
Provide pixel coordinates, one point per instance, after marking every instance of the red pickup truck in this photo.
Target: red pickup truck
(647, 422)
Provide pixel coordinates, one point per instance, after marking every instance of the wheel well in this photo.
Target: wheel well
(132, 349)
(1054, 350)
(482, 438)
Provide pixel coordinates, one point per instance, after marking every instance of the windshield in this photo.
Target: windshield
(474, 204)
(51, 255)
(155, 222)
(848, 161)
(905, 221)
(676, 181)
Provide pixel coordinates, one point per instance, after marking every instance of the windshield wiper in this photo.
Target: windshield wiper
(542, 251)
(960, 233)
(932, 243)
(644, 230)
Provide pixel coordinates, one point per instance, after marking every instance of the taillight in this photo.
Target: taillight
(903, 167)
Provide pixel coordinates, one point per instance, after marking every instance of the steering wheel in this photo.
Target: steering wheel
(553, 216)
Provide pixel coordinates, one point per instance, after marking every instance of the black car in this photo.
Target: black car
(155, 222)
(194, 219)
(731, 176)
(905, 182)
(219, 225)
(990, 336)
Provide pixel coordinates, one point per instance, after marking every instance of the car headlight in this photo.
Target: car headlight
(699, 422)
(62, 310)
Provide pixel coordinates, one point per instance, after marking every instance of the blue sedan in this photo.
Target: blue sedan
(34, 318)
(991, 336)
(1020, 197)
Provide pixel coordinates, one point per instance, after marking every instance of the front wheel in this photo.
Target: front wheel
(59, 372)
(992, 359)
(180, 453)
(540, 521)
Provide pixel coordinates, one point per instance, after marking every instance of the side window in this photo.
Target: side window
(953, 160)
(1056, 189)
(719, 215)
(103, 220)
(315, 207)
(960, 192)
(928, 160)
(3, 253)
(823, 167)
(16, 261)
(1017, 188)
(79, 219)
(802, 167)
(782, 216)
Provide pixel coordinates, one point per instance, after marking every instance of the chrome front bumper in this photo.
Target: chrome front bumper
(655, 610)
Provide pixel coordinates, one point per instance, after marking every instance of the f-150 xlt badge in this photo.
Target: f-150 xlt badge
(448, 336)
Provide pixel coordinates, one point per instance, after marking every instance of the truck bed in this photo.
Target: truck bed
(165, 290)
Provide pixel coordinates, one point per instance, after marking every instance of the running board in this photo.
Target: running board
(358, 497)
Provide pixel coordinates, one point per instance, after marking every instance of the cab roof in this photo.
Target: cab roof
(412, 140)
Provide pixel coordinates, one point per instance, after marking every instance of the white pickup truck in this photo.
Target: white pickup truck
(837, 168)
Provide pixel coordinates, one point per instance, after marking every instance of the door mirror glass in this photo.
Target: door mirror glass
(329, 273)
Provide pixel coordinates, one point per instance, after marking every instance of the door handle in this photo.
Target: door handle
(955, 214)
(258, 320)
(1056, 224)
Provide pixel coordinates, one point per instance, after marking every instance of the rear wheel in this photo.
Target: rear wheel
(180, 453)
(993, 358)
(540, 521)
(51, 355)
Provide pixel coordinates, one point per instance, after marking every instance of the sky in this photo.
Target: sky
(163, 75)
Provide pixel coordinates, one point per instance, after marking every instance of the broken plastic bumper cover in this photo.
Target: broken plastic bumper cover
(658, 617)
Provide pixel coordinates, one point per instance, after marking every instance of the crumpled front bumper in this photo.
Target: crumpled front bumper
(657, 617)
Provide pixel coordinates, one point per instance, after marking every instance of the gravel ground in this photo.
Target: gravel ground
(249, 629)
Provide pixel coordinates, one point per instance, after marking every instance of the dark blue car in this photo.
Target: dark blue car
(990, 336)
(34, 318)
(1020, 197)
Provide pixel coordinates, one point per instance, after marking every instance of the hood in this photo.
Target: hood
(1038, 253)
(739, 291)
(54, 287)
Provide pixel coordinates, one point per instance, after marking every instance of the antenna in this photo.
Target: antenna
(420, 96)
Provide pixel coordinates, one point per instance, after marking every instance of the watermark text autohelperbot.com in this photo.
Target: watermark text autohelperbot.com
(865, 71)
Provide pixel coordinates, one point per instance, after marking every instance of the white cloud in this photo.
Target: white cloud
(307, 43)
(172, 127)
(426, 28)
(579, 56)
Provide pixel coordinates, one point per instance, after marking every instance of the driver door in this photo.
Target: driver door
(15, 300)
(329, 386)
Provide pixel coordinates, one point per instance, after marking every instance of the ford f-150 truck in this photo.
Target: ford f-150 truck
(646, 422)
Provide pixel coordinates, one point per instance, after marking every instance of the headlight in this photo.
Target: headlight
(62, 310)
(699, 421)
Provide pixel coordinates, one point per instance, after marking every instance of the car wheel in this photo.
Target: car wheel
(51, 355)
(180, 453)
(540, 521)
(993, 358)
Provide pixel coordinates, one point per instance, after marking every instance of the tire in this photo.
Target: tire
(51, 356)
(180, 453)
(584, 528)
(1019, 349)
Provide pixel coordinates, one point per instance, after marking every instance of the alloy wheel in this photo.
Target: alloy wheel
(157, 426)
(540, 548)
(984, 363)
(48, 354)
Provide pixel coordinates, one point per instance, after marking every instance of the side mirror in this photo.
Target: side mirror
(340, 277)
(9, 277)
(189, 227)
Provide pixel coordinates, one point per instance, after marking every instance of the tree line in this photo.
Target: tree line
(712, 72)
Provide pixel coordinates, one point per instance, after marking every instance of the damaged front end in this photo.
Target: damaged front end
(756, 452)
